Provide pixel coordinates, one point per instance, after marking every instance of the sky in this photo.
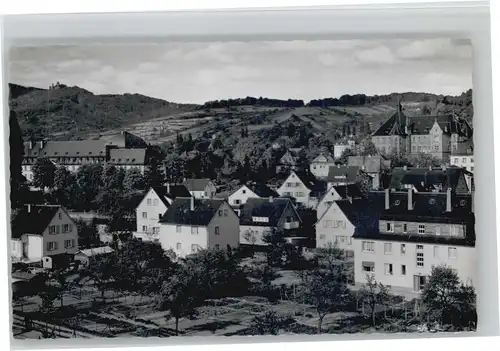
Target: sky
(205, 71)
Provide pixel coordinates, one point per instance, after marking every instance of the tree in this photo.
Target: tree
(43, 173)
(174, 168)
(326, 290)
(368, 148)
(87, 234)
(275, 246)
(181, 295)
(89, 181)
(102, 271)
(374, 294)
(62, 178)
(424, 161)
(250, 237)
(134, 180)
(345, 156)
(16, 150)
(268, 323)
(63, 284)
(444, 297)
(330, 256)
(154, 174)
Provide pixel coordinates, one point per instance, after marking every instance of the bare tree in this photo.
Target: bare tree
(374, 294)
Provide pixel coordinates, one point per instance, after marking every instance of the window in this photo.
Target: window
(322, 237)
(452, 253)
(194, 248)
(220, 213)
(368, 246)
(389, 227)
(68, 243)
(368, 266)
(335, 240)
(237, 202)
(155, 202)
(156, 230)
(436, 251)
(148, 202)
(65, 228)
(178, 246)
(51, 246)
(52, 229)
(144, 228)
(60, 215)
(472, 169)
(206, 193)
(420, 255)
(299, 194)
(178, 229)
(349, 241)
(464, 160)
(405, 228)
(387, 248)
(438, 231)
(145, 215)
(288, 185)
(328, 223)
(217, 231)
(421, 229)
(243, 191)
(297, 184)
(403, 269)
(225, 212)
(58, 229)
(388, 268)
(194, 230)
(159, 215)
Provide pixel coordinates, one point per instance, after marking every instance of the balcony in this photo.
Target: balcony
(291, 225)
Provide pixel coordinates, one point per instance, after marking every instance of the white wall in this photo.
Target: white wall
(294, 187)
(169, 238)
(154, 209)
(59, 221)
(35, 245)
(320, 169)
(242, 194)
(464, 263)
(256, 231)
(16, 248)
(330, 196)
(335, 228)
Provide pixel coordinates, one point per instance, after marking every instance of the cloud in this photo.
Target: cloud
(435, 49)
(328, 59)
(377, 55)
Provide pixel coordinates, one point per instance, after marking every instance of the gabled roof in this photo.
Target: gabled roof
(260, 189)
(127, 157)
(336, 173)
(317, 186)
(171, 192)
(360, 213)
(394, 125)
(425, 178)
(125, 140)
(193, 184)
(264, 207)
(74, 148)
(180, 211)
(449, 124)
(328, 157)
(33, 222)
(372, 164)
(350, 190)
(96, 251)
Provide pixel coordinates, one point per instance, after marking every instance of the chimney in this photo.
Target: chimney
(192, 203)
(387, 205)
(410, 199)
(271, 199)
(448, 200)
(168, 188)
(405, 167)
(29, 208)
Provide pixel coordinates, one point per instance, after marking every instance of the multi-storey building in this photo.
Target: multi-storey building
(42, 233)
(304, 188)
(345, 175)
(200, 188)
(263, 215)
(438, 136)
(374, 166)
(123, 150)
(190, 225)
(334, 193)
(417, 231)
(251, 190)
(339, 149)
(289, 160)
(321, 164)
(463, 157)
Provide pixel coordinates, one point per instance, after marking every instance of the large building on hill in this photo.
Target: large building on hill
(122, 150)
(438, 136)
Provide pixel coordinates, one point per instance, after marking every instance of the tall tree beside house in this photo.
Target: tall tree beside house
(368, 148)
(87, 234)
(16, 151)
(62, 178)
(446, 298)
(43, 173)
(374, 294)
(89, 180)
(154, 173)
(345, 156)
(134, 180)
(174, 169)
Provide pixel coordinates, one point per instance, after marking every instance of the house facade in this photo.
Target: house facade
(416, 232)
(200, 188)
(321, 164)
(345, 175)
(289, 161)
(252, 190)
(152, 207)
(373, 166)
(463, 157)
(341, 192)
(339, 149)
(265, 215)
(304, 188)
(190, 225)
(42, 231)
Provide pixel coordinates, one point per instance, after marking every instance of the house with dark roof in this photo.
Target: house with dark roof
(191, 224)
(345, 175)
(303, 187)
(417, 231)
(153, 205)
(200, 188)
(251, 190)
(41, 233)
(289, 160)
(72, 154)
(341, 220)
(463, 157)
(438, 136)
(374, 166)
(321, 164)
(430, 179)
(263, 215)
(338, 192)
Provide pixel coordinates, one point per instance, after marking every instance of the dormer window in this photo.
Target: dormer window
(260, 219)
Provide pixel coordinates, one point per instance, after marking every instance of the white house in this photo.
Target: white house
(321, 164)
(463, 157)
(251, 190)
(304, 188)
(416, 232)
(262, 215)
(192, 224)
(200, 188)
(340, 192)
(39, 232)
(154, 204)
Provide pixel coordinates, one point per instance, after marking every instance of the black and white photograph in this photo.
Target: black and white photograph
(242, 188)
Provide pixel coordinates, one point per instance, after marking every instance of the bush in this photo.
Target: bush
(270, 323)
